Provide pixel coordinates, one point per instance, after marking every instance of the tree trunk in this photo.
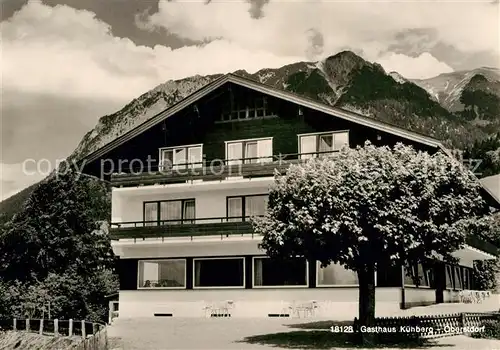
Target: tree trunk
(367, 303)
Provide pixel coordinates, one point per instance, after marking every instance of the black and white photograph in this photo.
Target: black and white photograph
(250, 174)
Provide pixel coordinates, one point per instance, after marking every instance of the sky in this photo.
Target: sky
(65, 63)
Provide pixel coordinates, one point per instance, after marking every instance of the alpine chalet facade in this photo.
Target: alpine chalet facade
(186, 183)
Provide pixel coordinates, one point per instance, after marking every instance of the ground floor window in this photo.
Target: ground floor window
(273, 273)
(467, 277)
(219, 272)
(419, 275)
(335, 275)
(388, 276)
(459, 283)
(450, 277)
(162, 273)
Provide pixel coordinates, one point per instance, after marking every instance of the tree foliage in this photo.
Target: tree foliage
(57, 250)
(369, 207)
(487, 272)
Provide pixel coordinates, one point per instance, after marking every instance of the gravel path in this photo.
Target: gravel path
(211, 334)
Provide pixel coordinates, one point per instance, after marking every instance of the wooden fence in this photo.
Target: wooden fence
(94, 335)
(435, 325)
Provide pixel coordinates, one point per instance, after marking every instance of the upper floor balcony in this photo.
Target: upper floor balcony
(211, 170)
(183, 228)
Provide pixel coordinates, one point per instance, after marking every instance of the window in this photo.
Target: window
(311, 144)
(181, 157)
(388, 276)
(219, 272)
(249, 151)
(335, 275)
(420, 275)
(241, 207)
(272, 273)
(467, 278)
(150, 214)
(244, 110)
(162, 273)
(458, 278)
(180, 211)
(449, 277)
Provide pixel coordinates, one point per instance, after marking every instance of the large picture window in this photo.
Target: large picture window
(272, 273)
(388, 275)
(450, 277)
(219, 273)
(335, 275)
(467, 277)
(181, 157)
(249, 151)
(313, 145)
(420, 275)
(162, 273)
(241, 207)
(459, 282)
(170, 212)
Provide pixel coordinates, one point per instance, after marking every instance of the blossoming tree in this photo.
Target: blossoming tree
(372, 206)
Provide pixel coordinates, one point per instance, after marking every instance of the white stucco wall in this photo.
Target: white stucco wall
(334, 303)
(127, 203)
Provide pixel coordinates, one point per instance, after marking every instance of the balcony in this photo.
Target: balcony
(220, 226)
(215, 170)
(223, 227)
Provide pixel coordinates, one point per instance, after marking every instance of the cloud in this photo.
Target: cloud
(68, 52)
(423, 66)
(373, 27)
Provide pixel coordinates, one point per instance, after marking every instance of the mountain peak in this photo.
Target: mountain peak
(341, 66)
(478, 78)
(346, 59)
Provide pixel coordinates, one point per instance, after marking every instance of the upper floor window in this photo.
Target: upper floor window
(169, 212)
(249, 151)
(312, 145)
(256, 108)
(241, 207)
(181, 157)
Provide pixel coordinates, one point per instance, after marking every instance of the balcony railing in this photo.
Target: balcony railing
(216, 226)
(223, 227)
(217, 169)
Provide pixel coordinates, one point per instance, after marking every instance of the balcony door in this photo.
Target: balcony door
(240, 208)
(171, 212)
(181, 157)
(313, 145)
(249, 151)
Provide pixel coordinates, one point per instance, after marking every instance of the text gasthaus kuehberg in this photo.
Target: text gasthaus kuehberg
(421, 330)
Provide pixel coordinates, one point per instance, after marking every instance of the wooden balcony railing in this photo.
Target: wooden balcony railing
(217, 169)
(217, 226)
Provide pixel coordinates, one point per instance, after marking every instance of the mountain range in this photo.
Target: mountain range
(462, 109)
